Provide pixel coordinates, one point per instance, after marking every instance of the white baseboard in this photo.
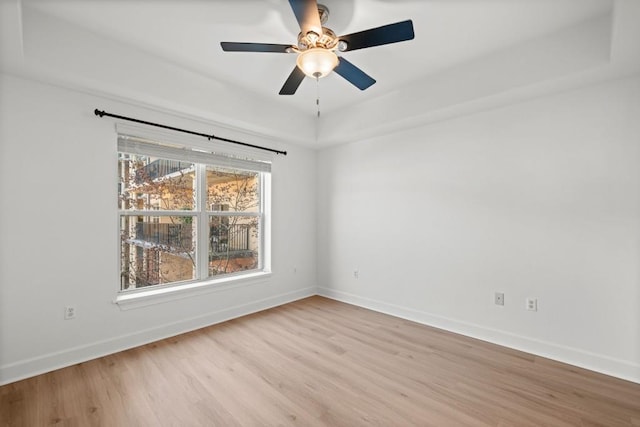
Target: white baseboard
(49, 362)
(595, 362)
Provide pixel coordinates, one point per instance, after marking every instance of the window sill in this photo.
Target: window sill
(127, 301)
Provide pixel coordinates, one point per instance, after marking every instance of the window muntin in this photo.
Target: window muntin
(183, 221)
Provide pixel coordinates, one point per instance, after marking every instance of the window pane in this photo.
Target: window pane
(234, 244)
(156, 250)
(150, 183)
(232, 191)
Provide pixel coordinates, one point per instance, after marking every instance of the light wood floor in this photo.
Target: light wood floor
(320, 362)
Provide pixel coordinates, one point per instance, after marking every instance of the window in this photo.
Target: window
(188, 216)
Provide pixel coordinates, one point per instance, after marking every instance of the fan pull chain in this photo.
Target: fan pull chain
(318, 94)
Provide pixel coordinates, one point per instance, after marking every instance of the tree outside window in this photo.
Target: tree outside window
(177, 216)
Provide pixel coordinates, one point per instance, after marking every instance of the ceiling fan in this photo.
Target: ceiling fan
(317, 46)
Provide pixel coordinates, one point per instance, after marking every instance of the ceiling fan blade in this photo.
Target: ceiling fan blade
(293, 81)
(392, 33)
(353, 74)
(306, 12)
(255, 47)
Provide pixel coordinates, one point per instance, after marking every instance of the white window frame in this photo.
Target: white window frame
(176, 147)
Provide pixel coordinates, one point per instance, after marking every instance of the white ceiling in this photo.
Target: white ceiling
(467, 55)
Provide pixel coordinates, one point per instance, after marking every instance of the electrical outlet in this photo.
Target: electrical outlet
(69, 312)
(532, 304)
(499, 298)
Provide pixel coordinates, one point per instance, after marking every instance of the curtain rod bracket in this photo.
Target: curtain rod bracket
(102, 113)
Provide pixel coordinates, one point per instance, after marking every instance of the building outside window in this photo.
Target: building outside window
(187, 216)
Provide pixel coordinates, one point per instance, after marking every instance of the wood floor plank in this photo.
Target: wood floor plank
(318, 362)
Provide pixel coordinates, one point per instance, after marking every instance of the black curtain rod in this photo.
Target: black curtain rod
(209, 137)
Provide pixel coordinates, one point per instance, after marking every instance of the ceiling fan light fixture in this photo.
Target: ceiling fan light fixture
(317, 62)
(318, 47)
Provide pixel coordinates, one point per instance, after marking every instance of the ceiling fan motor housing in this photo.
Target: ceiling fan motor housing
(326, 40)
(323, 13)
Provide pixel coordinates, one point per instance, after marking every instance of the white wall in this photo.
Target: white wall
(58, 243)
(539, 199)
